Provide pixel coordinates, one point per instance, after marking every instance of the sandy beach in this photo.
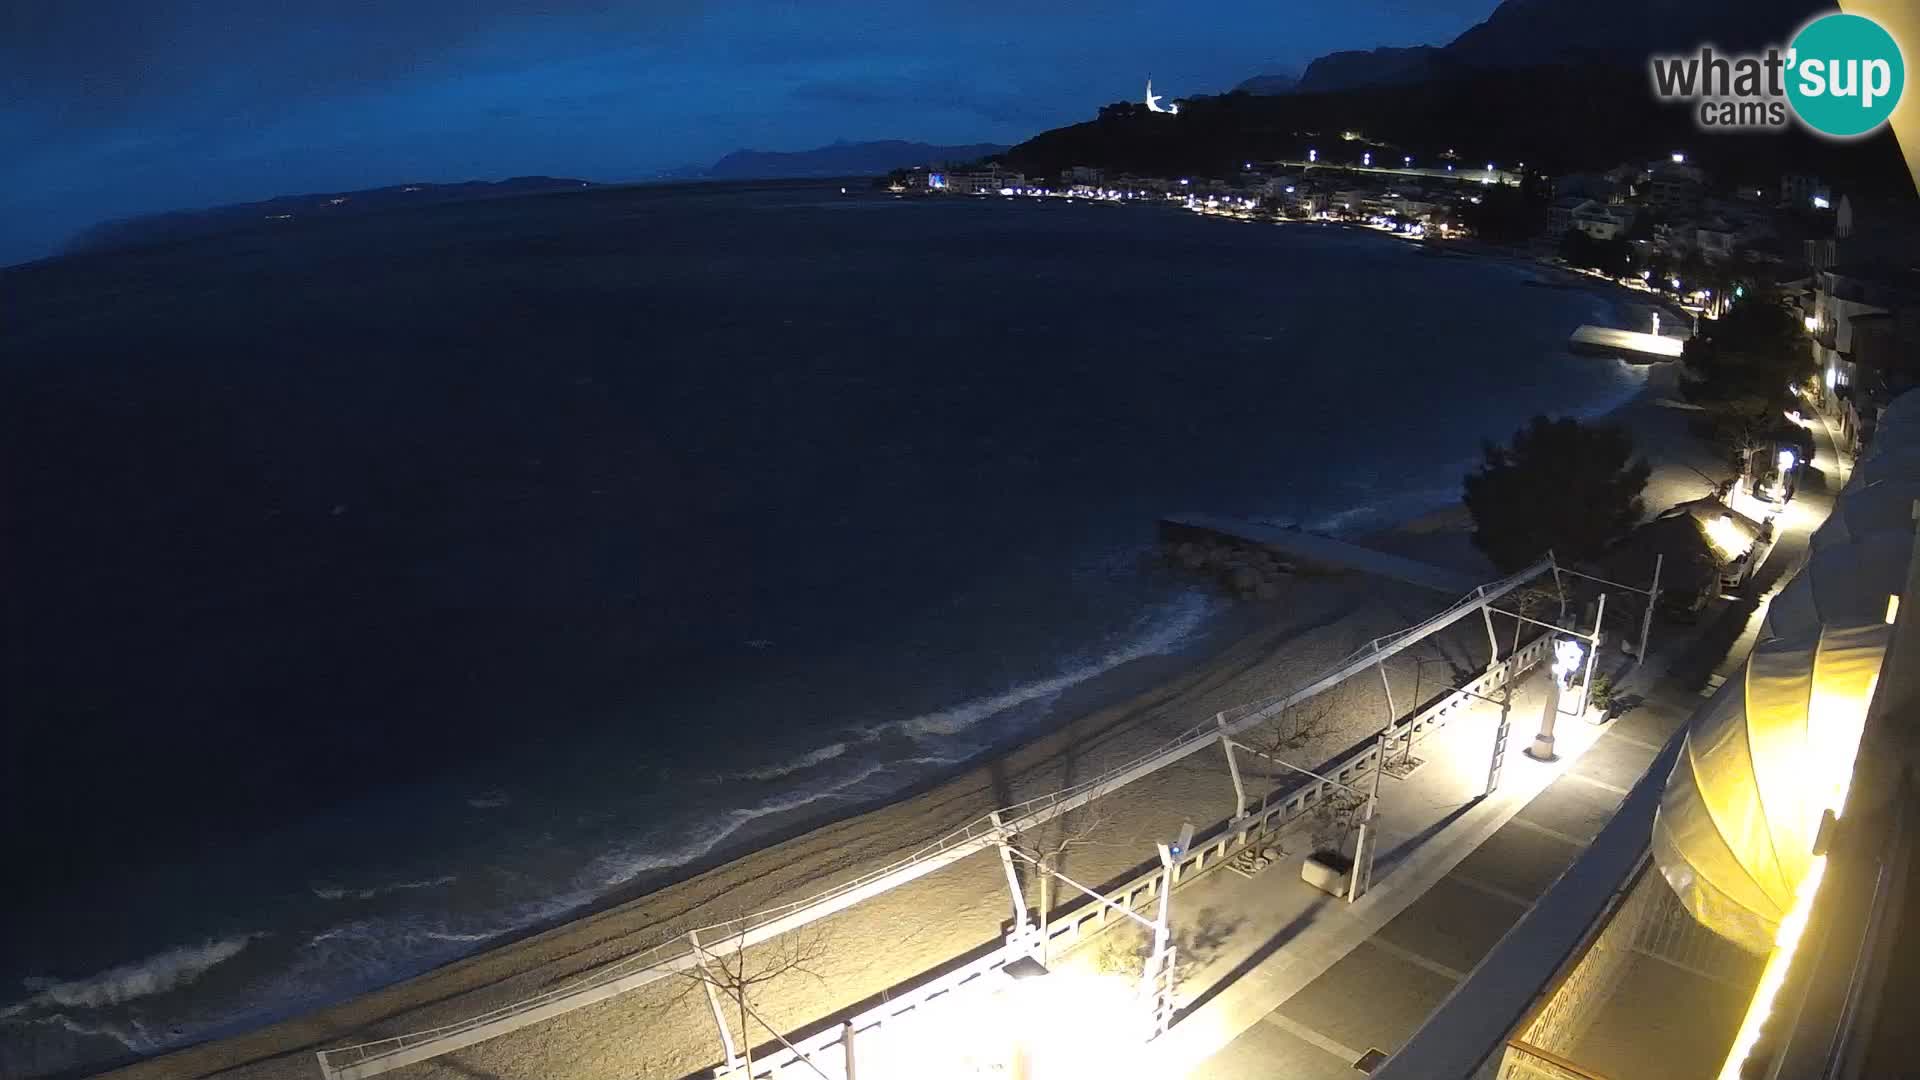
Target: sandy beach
(665, 1031)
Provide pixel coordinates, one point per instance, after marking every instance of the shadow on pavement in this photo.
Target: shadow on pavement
(1272, 945)
(1392, 856)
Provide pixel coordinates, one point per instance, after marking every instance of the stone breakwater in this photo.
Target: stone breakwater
(1247, 571)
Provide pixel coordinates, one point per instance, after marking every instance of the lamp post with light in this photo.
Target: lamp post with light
(1154, 980)
(1567, 655)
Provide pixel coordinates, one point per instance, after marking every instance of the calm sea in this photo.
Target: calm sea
(374, 588)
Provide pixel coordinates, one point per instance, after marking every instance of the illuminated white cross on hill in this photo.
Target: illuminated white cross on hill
(1153, 101)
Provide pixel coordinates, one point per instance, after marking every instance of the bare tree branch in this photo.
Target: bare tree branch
(1049, 851)
(733, 970)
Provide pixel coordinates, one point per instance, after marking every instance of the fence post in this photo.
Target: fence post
(1233, 766)
(1013, 879)
(1593, 656)
(1393, 711)
(713, 1000)
(1361, 876)
(1493, 642)
(1646, 621)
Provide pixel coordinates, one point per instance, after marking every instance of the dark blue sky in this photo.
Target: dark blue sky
(116, 107)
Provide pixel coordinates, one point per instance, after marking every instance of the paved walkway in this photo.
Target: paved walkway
(1284, 981)
(1431, 918)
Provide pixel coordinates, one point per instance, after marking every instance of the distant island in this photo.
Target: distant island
(838, 159)
(175, 225)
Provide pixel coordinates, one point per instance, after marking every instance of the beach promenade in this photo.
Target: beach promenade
(1333, 983)
(1311, 987)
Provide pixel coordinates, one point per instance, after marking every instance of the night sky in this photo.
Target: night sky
(117, 107)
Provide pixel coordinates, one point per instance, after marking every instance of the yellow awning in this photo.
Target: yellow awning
(1735, 829)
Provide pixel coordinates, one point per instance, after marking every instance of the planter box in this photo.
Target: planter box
(1327, 872)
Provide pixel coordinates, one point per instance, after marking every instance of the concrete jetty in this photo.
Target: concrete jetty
(1634, 346)
(1312, 551)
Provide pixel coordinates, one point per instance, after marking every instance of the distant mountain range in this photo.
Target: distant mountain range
(1537, 33)
(839, 159)
(1561, 85)
(187, 224)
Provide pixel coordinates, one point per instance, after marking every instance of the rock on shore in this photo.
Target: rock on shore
(1246, 571)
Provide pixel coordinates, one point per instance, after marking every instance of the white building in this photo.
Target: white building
(1601, 220)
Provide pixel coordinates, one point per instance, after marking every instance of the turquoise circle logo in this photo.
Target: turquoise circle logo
(1847, 74)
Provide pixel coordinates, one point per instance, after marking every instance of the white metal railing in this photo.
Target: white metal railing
(824, 1052)
(672, 953)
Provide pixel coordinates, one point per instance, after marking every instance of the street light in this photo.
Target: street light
(1062, 1023)
(1154, 976)
(1567, 655)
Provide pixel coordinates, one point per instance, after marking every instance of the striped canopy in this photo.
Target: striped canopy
(1735, 829)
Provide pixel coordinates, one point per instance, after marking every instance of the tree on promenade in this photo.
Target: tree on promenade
(1757, 350)
(1049, 847)
(1743, 369)
(1563, 486)
(733, 970)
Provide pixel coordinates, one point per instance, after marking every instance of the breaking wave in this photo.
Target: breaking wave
(699, 840)
(157, 974)
(773, 772)
(338, 892)
(1182, 618)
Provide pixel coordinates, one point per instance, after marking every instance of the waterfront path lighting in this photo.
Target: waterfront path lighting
(1063, 1025)
(1567, 656)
